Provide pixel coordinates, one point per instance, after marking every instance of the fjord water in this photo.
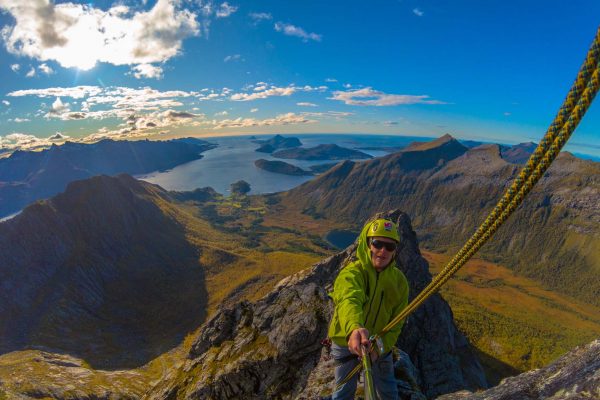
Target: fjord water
(233, 159)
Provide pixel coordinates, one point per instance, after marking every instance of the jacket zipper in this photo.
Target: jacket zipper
(371, 302)
(378, 308)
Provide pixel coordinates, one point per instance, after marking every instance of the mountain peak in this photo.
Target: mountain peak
(107, 254)
(441, 141)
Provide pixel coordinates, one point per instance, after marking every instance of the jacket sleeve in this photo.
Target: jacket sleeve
(390, 338)
(350, 297)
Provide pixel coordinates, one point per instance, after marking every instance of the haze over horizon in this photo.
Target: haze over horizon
(494, 72)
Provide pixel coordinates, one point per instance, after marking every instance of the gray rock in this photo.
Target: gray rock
(576, 375)
(271, 349)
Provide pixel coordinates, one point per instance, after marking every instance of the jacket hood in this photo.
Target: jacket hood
(363, 253)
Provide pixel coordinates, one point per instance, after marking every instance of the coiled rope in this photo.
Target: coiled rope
(568, 117)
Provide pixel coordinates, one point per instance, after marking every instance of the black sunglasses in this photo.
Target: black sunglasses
(378, 244)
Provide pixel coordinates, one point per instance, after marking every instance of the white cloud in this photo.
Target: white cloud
(76, 92)
(283, 119)
(225, 10)
(6, 103)
(391, 123)
(347, 85)
(25, 141)
(261, 91)
(418, 12)
(273, 91)
(507, 114)
(221, 114)
(147, 71)
(58, 109)
(234, 57)
(370, 97)
(261, 16)
(330, 80)
(334, 114)
(19, 120)
(291, 30)
(306, 104)
(44, 68)
(15, 67)
(253, 110)
(31, 73)
(79, 35)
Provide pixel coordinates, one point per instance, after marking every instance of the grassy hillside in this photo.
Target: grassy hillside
(514, 323)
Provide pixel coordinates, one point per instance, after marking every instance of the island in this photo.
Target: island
(281, 167)
(277, 143)
(322, 152)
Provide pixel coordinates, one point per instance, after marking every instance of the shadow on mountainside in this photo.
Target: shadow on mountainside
(495, 369)
(103, 272)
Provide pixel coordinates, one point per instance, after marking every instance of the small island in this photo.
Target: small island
(322, 152)
(277, 143)
(281, 167)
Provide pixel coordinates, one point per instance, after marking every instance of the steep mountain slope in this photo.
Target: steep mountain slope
(101, 271)
(268, 349)
(448, 191)
(115, 271)
(519, 153)
(27, 176)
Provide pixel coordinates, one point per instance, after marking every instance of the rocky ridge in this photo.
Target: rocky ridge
(268, 349)
(576, 375)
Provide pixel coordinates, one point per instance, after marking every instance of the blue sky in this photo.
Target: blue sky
(493, 71)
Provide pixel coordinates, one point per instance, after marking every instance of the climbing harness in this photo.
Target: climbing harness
(568, 117)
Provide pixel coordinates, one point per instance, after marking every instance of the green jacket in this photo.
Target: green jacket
(365, 298)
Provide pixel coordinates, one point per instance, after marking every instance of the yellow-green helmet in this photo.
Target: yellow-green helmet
(383, 228)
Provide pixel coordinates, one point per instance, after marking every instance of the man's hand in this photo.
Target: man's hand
(357, 337)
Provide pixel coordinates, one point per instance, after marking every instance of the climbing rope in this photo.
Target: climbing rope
(568, 117)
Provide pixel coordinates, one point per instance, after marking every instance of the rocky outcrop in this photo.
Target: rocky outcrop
(271, 348)
(34, 374)
(576, 375)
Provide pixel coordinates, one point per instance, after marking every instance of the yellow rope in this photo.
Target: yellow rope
(568, 117)
(467, 252)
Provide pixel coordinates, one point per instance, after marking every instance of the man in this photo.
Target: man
(368, 293)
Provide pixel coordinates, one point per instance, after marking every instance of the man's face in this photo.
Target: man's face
(381, 257)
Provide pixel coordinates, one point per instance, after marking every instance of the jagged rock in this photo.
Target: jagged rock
(271, 349)
(576, 375)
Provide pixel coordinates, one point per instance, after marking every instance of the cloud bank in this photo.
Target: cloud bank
(369, 97)
(79, 35)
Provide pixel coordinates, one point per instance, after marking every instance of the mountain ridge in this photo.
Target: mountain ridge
(79, 263)
(27, 176)
(448, 194)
